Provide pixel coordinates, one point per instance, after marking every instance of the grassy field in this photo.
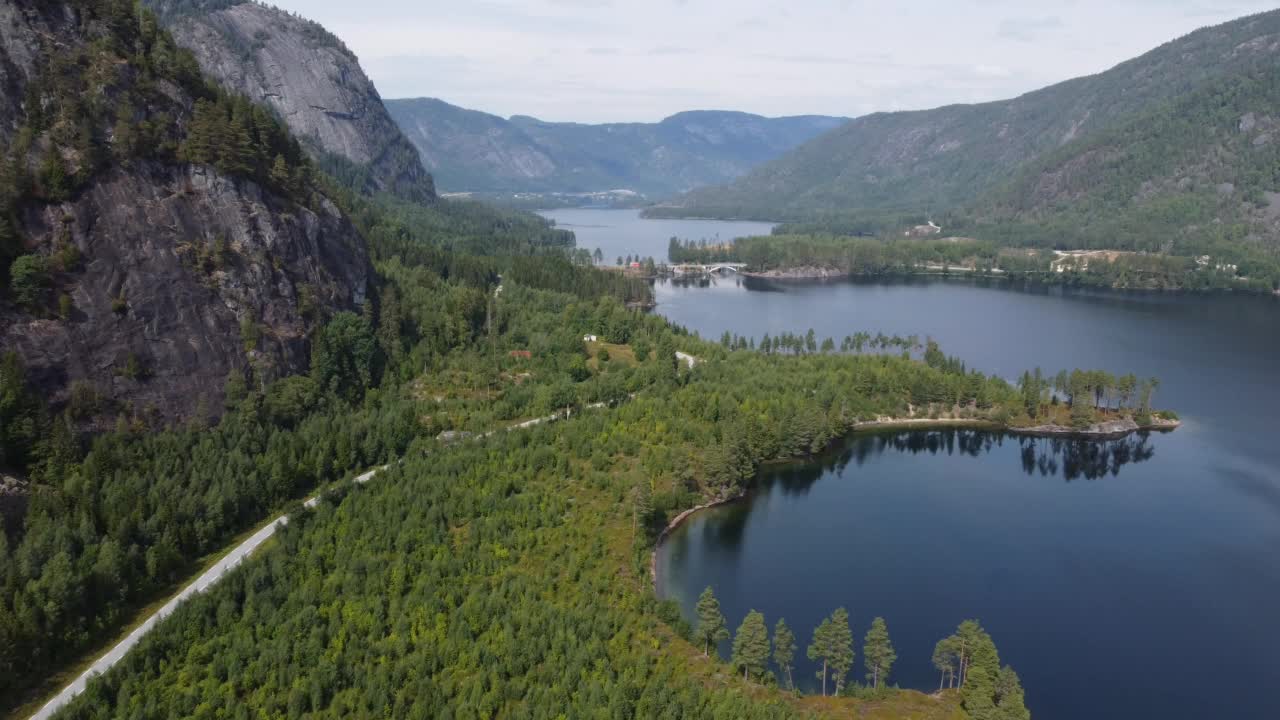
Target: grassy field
(622, 354)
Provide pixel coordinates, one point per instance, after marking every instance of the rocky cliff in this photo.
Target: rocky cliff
(186, 275)
(310, 79)
(135, 280)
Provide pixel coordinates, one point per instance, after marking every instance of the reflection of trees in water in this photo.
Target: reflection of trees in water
(797, 478)
(729, 526)
(1072, 459)
(1083, 458)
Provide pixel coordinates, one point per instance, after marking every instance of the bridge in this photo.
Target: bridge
(698, 269)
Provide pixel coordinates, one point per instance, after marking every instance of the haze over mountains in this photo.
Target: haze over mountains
(1178, 139)
(468, 150)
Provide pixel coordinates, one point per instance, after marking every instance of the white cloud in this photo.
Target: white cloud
(596, 60)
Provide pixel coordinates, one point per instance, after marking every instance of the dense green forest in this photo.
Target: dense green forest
(382, 387)
(966, 256)
(505, 576)
(113, 520)
(452, 564)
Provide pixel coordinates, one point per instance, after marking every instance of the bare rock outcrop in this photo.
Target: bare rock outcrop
(311, 80)
(184, 275)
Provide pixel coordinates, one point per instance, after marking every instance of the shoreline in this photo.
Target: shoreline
(1111, 430)
(1043, 278)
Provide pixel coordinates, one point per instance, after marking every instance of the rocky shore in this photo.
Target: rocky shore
(676, 522)
(1110, 430)
(804, 272)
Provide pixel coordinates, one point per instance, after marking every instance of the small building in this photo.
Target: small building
(523, 354)
(635, 266)
(590, 338)
(924, 230)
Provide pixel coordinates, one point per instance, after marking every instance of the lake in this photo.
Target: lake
(1147, 590)
(619, 233)
(1121, 580)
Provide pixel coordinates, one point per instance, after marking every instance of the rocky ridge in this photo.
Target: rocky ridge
(311, 80)
(163, 278)
(470, 150)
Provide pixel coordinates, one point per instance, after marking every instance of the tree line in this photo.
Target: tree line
(967, 659)
(1087, 394)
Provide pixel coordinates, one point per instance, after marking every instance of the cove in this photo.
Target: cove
(1119, 582)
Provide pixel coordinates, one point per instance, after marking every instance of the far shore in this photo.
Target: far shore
(816, 274)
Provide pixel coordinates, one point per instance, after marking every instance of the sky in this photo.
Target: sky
(623, 60)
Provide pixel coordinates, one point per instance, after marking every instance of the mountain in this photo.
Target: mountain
(1179, 126)
(1196, 175)
(160, 235)
(310, 79)
(469, 150)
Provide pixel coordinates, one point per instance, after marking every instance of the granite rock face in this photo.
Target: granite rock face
(21, 29)
(312, 81)
(162, 277)
(184, 275)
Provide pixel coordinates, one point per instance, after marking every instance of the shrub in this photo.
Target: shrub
(28, 278)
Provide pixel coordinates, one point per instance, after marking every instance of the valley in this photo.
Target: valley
(963, 417)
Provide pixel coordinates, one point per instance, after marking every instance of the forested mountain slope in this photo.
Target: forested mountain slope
(476, 151)
(928, 162)
(1196, 175)
(310, 79)
(160, 235)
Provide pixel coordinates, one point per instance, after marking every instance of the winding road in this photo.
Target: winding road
(200, 584)
(211, 576)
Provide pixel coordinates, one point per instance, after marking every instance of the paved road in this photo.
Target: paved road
(200, 584)
(208, 578)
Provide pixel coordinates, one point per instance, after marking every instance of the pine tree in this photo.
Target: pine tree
(641, 506)
(53, 176)
(198, 147)
(878, 653)
(711, 626)
(820, 649)
(280, 175)
(977, 695)
(945, 659)
(842, 654)
(751, 646)
(1009, 698)
(784, 650)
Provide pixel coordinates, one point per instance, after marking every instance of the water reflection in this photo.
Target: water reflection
(1071, 459)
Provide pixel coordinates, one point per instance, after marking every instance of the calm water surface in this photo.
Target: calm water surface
(1122, 580)
(619, 233)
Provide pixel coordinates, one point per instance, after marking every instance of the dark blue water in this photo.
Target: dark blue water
(1121, 581)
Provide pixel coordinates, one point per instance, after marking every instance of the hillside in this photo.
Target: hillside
(310, 79)
(161, 235)
(1015, 159)
(469, 150)
(1197, 175)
